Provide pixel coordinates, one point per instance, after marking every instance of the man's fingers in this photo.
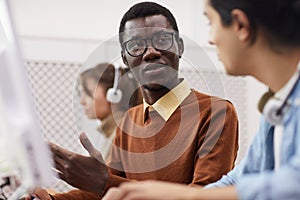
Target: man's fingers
(64, 178)
(63, 154)
(113, 194)
(59, 151)
(86, 143)
(60, 163)
(124, 191)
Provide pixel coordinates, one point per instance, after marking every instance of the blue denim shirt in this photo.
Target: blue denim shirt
(254, 177)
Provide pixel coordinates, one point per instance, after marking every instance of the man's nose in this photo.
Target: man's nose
(151, 52)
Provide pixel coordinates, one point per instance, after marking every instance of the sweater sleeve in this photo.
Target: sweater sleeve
(114, 163)
(76, 195)
(113, 180)
(217, 143)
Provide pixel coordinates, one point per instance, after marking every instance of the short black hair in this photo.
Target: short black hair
(145, 9)
(280, 18)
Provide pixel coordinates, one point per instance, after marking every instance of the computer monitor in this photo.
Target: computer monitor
(26, 154)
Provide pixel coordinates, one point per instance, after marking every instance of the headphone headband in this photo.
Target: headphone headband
(114, 95)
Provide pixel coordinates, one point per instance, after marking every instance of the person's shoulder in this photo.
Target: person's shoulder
(201, 95)
(207, 97)
(210, 100)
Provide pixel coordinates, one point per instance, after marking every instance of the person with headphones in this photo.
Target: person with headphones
(261, 39)
(178, 134)
(106, 93)
(102, 99)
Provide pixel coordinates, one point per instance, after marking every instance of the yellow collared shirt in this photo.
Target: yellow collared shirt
(167, 104)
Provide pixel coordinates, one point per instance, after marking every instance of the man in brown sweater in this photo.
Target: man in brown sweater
(177, 134)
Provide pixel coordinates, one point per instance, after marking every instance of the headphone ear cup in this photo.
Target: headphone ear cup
(114, 95)
(270, 111)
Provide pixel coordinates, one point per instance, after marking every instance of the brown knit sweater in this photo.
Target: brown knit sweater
(197, 145)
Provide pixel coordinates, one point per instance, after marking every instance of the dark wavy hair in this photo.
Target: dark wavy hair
(279, 18)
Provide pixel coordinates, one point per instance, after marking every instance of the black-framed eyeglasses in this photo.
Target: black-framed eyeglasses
(137, 47)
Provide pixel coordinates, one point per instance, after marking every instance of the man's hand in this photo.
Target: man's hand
(149, 190)
(88, 173)
(158, 190)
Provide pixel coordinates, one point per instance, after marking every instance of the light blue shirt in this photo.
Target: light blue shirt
(255, 177)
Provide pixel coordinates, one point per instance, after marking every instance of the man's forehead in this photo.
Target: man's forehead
(138, 32)
(147, 30)
(148, 21)
(146, 25)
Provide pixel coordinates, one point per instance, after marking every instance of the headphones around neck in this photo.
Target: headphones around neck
(274, 109)
(114, 95)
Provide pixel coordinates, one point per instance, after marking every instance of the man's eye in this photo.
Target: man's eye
(163, 40)
(136, 44)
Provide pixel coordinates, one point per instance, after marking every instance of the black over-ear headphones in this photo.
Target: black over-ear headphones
(114, 95)
(272, 108)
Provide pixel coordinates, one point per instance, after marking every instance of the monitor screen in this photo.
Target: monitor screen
(26, 153)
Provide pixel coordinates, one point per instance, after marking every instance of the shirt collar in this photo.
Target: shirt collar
(284, 91)
(167, 104)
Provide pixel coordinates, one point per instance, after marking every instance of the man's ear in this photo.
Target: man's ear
(241, 24)
(124, 58)
(180, 47)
